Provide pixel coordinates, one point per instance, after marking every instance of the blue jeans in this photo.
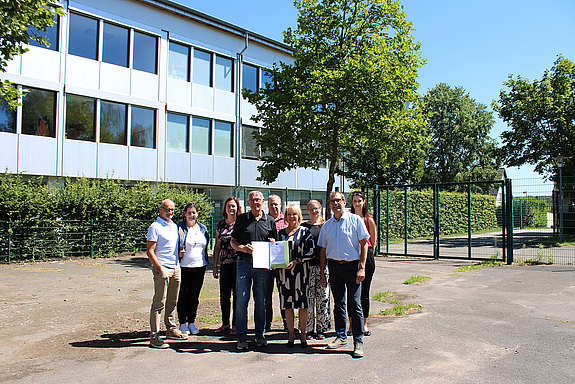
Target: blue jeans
(342, 277)
(245, 275)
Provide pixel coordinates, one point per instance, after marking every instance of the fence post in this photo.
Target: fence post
(387, 222)
(9, 239)
(504, 219)
(436, 222)
(92, 238)
(377, 217)
(510, 227)
(405, 220)
(469, 220)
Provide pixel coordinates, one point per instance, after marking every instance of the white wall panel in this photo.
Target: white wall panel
(9, 152)
(37, 155)
(249, 173)
(80, 158)
(112, 161)
(225, 102)
(224, 170)
(179, 92)
(202, 97)
(202, 169)
(14, 66)
(287, 179)
(304, 178)
(248, 110)
(143, 164)
(320, 179)
(41, 63)
(178, 167)
(82, 72)
(144, 85)
(114, 78)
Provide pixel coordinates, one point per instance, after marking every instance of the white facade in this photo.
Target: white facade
(143, 90)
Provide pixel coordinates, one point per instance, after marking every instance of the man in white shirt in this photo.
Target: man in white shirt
(343, 242)
(162, 249)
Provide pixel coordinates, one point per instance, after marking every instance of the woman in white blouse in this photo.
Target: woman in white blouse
(194, 239)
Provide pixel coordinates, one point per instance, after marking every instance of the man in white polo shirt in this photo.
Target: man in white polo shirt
(343, 242)
(163, 251)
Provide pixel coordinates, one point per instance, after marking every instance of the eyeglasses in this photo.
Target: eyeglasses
(168, 209)
(336, 201)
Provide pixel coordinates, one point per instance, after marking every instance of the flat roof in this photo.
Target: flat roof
(200, 17)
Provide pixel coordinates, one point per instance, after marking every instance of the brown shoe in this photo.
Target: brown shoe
(175, 334)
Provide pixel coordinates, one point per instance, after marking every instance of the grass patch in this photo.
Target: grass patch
(482, 264)
(207, 319)
(381, 296)
(554, 241)
(416, 279)
(400, 309)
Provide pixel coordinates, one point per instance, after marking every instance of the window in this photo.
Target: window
(7, 118)
(51, 35)
(224, 78)
(201, 136)
(249, 145)
(178, 60)
(80, 118)
(83, 38)
(145, 52)
(202, 68)
(223, 139)
(266, 78)
(38, 112)
(177, 133)
(115, 45)
(112, 123)
(143, 132)
(250, 77)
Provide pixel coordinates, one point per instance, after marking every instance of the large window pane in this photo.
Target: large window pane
(115, 48)
(112, 123)
(202, 68)
(178, 61)
(224, 74)
(201, 136)
(145, 52)
(223, 139)
(7, 118)
(51, 34)
(250, 77)
(249, 146)
(80, 118)
(38, 112)
(177, 133)
(83, 40)
(143, 127)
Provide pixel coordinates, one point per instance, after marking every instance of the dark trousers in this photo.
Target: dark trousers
(342, 278)
(227, 290)
(366, 284)
(190, 287)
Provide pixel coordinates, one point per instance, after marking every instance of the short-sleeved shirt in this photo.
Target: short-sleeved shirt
(280, 222)
(227, 253)
(166, 237)
(341, 238)
(248, 229)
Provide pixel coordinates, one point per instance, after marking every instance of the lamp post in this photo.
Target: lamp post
(560, 166)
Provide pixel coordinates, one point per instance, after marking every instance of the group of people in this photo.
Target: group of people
(339, 251)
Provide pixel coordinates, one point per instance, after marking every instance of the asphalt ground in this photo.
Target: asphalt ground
(87, 320)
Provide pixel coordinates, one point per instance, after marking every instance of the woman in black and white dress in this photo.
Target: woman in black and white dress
(294, 278)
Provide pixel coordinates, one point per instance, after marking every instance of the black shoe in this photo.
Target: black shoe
(368, 333)
(289, 344)
(303, 344)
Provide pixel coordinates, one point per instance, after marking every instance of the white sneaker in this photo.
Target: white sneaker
(193, 329)
(184, 329)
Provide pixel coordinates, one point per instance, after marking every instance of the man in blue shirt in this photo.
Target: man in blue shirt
(343, 242)
(162, 249)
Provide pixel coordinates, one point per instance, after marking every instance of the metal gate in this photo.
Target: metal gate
(467, 220)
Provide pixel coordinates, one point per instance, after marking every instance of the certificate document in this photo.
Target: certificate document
(269, 255)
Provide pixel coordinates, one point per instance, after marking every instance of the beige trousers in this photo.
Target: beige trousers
(166, 291)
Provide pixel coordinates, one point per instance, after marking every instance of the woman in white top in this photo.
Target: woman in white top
(194, 240)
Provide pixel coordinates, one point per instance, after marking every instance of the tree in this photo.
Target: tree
(460, 148)
(353, 77)
(541, 114)
(20, 22)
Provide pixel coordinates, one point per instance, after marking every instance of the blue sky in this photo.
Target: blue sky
(473, 44)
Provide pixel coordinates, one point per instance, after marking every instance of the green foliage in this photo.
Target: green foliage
(352, 81)
(541, 114)
(452, 213)
(530, 211)
(482, 264)
(401, 309)
(460, 148)
(16, 18)
(381, 296)
(104, 216)
(416, 279)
